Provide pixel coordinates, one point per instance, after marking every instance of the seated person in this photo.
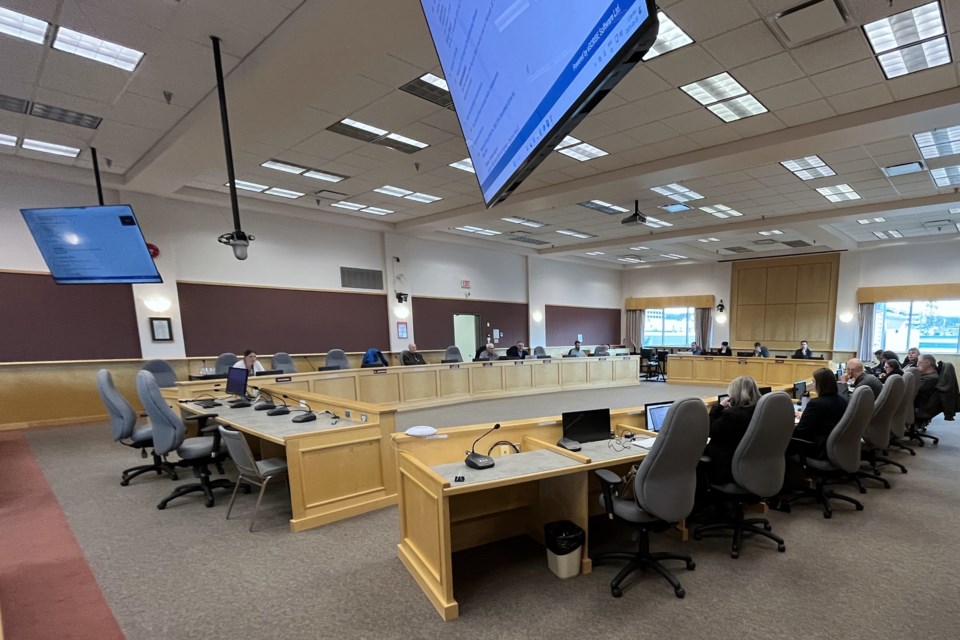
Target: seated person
(518, 351)
(856, 376)
(803, 353)
(695, 349)
(927, 387)
(602, 350)
(760, 351)
(487, 353)
(412, 356)
(890, 367)
(249, 362)
(373, 358)
(576, 352)
(913, 356)
(725, 349)
(820, 416)
(729, 420)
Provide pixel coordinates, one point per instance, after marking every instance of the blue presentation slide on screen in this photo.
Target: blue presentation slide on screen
(92, 244)
(514, 68)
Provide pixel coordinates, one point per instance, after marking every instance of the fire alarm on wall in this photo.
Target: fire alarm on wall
(153, 249)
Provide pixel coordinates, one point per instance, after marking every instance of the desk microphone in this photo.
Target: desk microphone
(569, 443)
(476, 460)
(265, 405)
(309, 416)
(282, 410)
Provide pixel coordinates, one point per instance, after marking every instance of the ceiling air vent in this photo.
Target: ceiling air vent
(796, 244)
(524, 238)
(17, 105)
(428, 91)
(765, 241)
(738, 250)
(808, 22)
(353, 278)
(66, 116)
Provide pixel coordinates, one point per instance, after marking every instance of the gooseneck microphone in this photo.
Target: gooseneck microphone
(476, 460)
(265, 405)
(309, 416)
(569, 443)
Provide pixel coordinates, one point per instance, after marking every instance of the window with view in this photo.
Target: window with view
(669, 327)
(933, 326)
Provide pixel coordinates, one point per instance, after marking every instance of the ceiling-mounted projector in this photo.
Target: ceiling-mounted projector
(636, 217)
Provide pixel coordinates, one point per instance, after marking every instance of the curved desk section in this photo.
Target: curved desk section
(440, 384)
(686, 369)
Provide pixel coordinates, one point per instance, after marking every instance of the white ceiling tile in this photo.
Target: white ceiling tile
(867, 10)
(849, 77)
(809, 112)
(641, 82)
(893, 145)
(676, 146)
(788, 95)
(616, 143)
(610, 101)
(768, 72)
(444, 119)
(901, 157)
(782, 177)
(705, 20)
(81, 77)
(835, 51)
(696, 120)
(137, 110)
(755, 125)
(591, 129)
(685, 65)
(865, 98)
(920, 83)
(395, 111)
(651, 133)
(716, 136)
(729, 49)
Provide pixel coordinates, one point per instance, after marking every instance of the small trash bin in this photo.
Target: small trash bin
(564, 542)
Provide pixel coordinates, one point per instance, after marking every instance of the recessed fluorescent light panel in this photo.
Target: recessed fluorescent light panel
(464, 165)
(655, 223)
(54, 149)
(604, 207)
(86, 46)
(478, 230)
(880, 234)
(527, 222)
(66, 116)
(894, 233)
(401, 143)
(352, 206)
(430, 87)
(22, 26)
(17, 105)
(839, 193)
(708, 239)
(283, 166)
(903, 169)
(721, 211)
(422, 197)
(639, 248)
(673, 256)
(324, 175)
(575, 234)
(7, 140)
(677, 192)
(939, 142)
(809, 168)
(594, 253)
(675, 208)
(669, 37)
(578, 150)
(248, 186)
(363, 126)
(909, 41)
(377, 211)
(283, 193)
(946, 176)
(724, 97)
(393, 191)
(630, 259)
(772, 232)
(870, 220)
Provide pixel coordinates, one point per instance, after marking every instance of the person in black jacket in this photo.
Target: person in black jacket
(725, 349)
(820, 416)
(518, 351)
(913, 356)
(890, 367)
(728, 424)
(803, 353)
(927, 366)
(411, 356)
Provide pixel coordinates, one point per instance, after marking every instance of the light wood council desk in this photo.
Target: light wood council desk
(687, 369)
(336, 471)
(439, 384)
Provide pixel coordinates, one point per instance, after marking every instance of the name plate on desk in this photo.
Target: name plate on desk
(601, 359)
(454, 366)
(779, 361)
(488, 364)
(518, 362)
(741, 361)
(625, 358)
(708, 357)
(282, 379)
(379, 371)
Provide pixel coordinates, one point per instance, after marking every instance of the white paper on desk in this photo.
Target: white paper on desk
(644, 443)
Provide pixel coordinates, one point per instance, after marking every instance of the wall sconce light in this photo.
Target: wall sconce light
(720, 307)
(846, 317)
(157, 304)
(721, 313)
(401, 312)
(402, 297)
(537, 316)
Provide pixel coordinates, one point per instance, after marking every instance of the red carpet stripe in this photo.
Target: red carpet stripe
(47, 589)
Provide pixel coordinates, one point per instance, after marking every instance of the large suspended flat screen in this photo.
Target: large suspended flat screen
(523, 73)
(92, 245)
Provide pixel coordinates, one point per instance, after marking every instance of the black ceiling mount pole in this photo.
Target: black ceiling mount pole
(96, 174)
(236, 239)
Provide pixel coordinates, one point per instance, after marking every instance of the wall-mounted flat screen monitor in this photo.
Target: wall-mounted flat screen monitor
(92, 245)
(237, 381)
(523, 74)
(587, 426)
(656, 413)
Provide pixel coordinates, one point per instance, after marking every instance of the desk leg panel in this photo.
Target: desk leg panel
(564, 498)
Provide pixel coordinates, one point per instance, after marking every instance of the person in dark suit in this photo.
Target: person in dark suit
(820, 416)
(729, 420)
(725, 349)
(889, 368)
(760, 351)
(411, 356)
(912, 359)
(856, 376)
(927, 365)
(803, 353)
(518, 351)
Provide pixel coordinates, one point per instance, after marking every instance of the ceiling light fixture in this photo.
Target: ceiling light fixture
(527, 222)
(422, 197)
(8, 141)
(480, 231)
(724, 97)
(838, 193)
(284, 193)
(283, 166)
(575, 234)
(639, 248)
(377, 211)
(721, 211)
(324, 175)
(94, 48)
(352, 206)
(397, 192)
(673, 256)
(903, 169)
(23, 26)
(464, 165)
(47, 147)
(772, 232)
(946, 176)
(669, 38)
(595, 253)
(248, 186)
(675, 208)
(677, 192)
(808, 168)
(656, 223)
(939, 142)
(909, 41)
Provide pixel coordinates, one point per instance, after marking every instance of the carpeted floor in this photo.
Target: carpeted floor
(890, 571)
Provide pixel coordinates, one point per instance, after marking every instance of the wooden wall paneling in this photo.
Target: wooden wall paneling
(905, 293)
(781, 285)
(749, 325)
(814, 282)
(752, 286)
(598, 326)
(669, 302)
(779, 323)
(811, 322)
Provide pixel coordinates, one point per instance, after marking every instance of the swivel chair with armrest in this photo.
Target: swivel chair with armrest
(876, 438)
(898, 425)
(540, 352)
(945, 399)
(162, 371)
(169, 435)
(224, 362)
(665, 486)
(258, 472)
(842, 461)
(283, 362)
(123, 425)
(337, 358)
(758, 467)
(452, 354)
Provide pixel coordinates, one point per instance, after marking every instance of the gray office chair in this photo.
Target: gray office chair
(162, 371)
(337, 358)
(168, 435)
(601, 351)
(224, 362)
(452, 354)
(258, 472)
(283, 362)
(842, 461)
(758, 467)
(123, 425)
(665, 486)
(539, 352)
(898, 425)
(876, 438)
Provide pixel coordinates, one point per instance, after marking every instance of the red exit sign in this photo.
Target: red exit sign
(464, 284)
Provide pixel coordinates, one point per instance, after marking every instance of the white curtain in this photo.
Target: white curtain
(866, 331)
(703, 324)
(634, 329)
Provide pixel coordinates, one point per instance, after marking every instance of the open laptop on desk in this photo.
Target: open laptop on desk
(655, 413)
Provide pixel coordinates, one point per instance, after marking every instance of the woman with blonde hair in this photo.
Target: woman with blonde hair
(729, 420)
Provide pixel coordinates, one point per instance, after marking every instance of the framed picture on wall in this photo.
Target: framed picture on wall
(402, 330)
(161, 329)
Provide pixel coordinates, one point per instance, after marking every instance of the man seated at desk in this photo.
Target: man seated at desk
(803, 353)
(602, 350)
(856, 376)
(249, 362)
(576, 352)
(927, 366)
(760, 351)
(725, 349)
(411, 356)
(695, 349)
(912, 359)
(518, 351)
(487, 353)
